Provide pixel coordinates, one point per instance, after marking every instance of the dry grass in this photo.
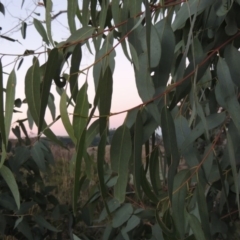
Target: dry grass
(62, 173)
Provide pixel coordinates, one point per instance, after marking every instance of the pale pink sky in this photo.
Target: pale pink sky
(125, 94)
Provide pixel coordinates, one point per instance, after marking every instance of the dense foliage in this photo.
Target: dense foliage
(186, 62)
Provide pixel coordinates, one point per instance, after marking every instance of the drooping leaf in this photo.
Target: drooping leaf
(48, 18)
(120, 153)
(195, 226)
(167, 39)
(143, 79)
(154, 172)
(22, 3)
(2, 119)
(146, 187)
(92, 131)
(80, 35)
(85, 12)
(20, 63)
(8, 38)
(71, 10)
(100, 167)
(75, 63)
(78, 162)
(234, 169)
(23, 29)
(170, 145)
(51, 105)
(9, 103)
(50, 71)
(225, 92)
(41, 30)
(11, 182)
(65, 117)
(154, 48)
(232, 57)
(2, 9)
(137, 154)
(178, 200)
(80, 112)
(104, 59)
(203, 211)
(105, 99)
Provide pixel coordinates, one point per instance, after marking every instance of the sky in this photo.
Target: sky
(125, 93)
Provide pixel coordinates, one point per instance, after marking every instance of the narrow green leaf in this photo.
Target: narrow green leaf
(107, 60)
(85, 12)
(147, 188)
(137, 154)
(75, 64)
(80, 151)
(23, 29)
(9, 103)
(80, 116)
(48, 18)
(116, 11)
(154, 172)
(92, 131)
(22, 3)
(203, 211)
(120, 154)
(170, 145)
(41, 30)
(225, 92)
(71, 11)
(11, 182)
(149, 37)
(100, 166)
(232, 57)
(2, 119)
(20, 63)
(232, 161)
(2, 9)
(178, 200)
(134, 56)
(52, 106)
(50, 71)
(105, 98)
(65, 118)
(43, 223)
(195, 226)
(165, 227)
(8, 38)
(80, 35)
(143, 79)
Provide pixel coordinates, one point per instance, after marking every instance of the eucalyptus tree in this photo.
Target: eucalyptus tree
(185, 58)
